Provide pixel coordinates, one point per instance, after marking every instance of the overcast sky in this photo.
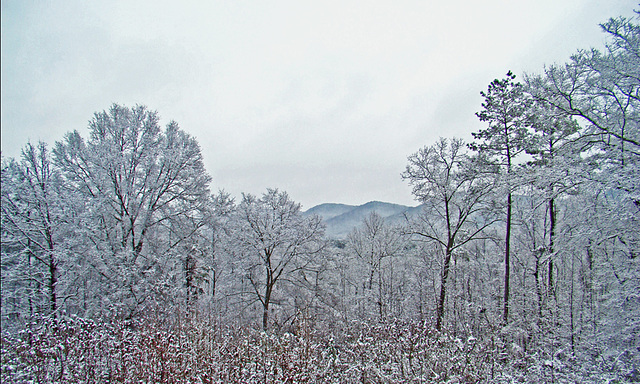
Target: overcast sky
(322, 99)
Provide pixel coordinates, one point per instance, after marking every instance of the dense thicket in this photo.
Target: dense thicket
(120, 265)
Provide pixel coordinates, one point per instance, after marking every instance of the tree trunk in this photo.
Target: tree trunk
(267, 300)
(53, 271)
(552, 233)
(29, 266)
(52, 285)
(507, 253)
(189, 275)
(265, 316)
(571, 319)
(536, 275)
(443, 290)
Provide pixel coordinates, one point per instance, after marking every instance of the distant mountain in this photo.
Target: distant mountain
(329, 210)
(342, 219)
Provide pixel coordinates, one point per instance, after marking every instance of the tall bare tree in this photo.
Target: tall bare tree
(373, 243)
(274, 239)
(138, 183)
(455, 194)
(33, 225)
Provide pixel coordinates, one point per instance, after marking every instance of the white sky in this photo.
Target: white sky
(323, 99)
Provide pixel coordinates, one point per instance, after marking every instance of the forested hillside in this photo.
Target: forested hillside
(341, 219)
(122, 262)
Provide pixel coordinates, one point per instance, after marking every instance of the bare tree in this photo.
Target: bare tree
(553, 169)
(32, 230)
(601, 89)
(138, 183)
(372, 243)
(455, 194)
(272, 236)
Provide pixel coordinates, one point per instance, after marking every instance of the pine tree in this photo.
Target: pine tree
(504, 110)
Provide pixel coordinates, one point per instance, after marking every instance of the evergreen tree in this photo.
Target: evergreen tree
(504, 110)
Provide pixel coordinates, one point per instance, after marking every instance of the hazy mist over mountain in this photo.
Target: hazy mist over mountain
(341, 219)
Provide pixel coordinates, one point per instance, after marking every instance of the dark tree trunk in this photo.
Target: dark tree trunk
(53, 271)
(265, 307)
(189, 274)
(271, 280)
(536, 275)
(507, 253)
(443, 290)
(53, 280)
(552, 233)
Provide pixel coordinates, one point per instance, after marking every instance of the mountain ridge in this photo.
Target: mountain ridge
(341, 219)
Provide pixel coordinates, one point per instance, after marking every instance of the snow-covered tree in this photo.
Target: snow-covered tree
(139, 184)
(223, 208)
(274, 241)
(33, 234)
(455, 194)
(552, 172)
(505, 111)
(597, 284)
(601, 90)
(375, 244)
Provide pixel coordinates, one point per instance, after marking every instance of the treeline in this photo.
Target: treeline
(529, 240)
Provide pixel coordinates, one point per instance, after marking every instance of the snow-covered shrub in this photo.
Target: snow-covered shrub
(76, 350)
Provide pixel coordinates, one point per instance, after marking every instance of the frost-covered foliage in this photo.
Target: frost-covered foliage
(143, 201)
(110, 225)
(273, 242)
(374, 247)
(590, 123)
(75, 350)
(455, 193)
